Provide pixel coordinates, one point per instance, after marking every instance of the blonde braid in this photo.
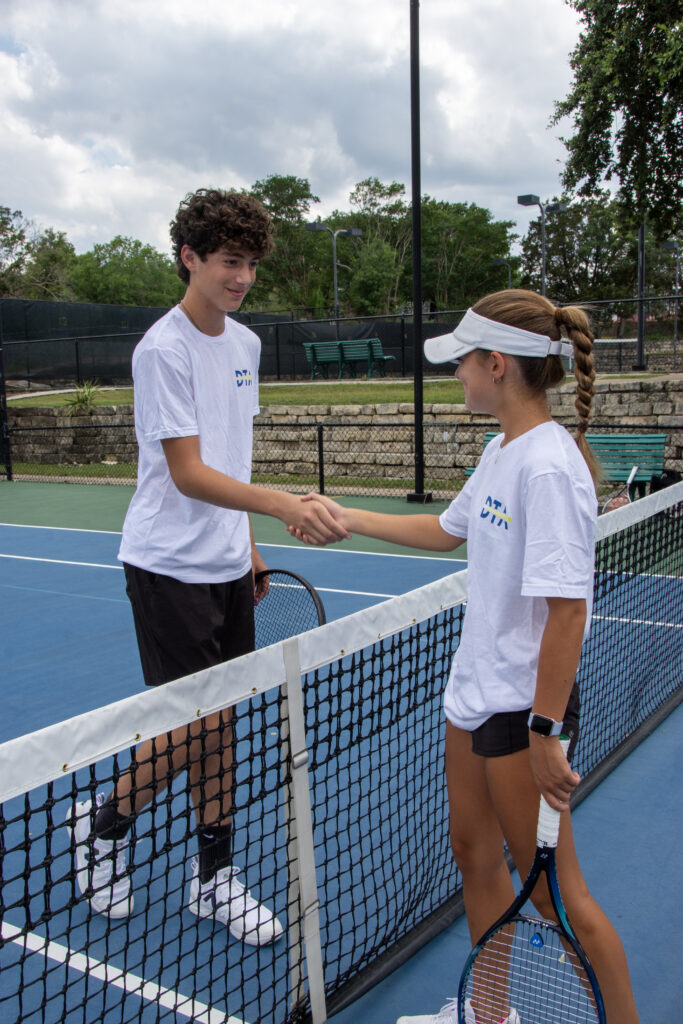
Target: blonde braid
(577, 327)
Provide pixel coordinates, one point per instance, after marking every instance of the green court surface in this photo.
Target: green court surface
(103, 507)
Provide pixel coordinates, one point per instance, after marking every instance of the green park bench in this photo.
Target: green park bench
(347, 354)
(367, 350)
(320, 354)
(618, 454)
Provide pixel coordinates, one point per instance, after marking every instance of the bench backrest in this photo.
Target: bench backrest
(321, 350)
(619, 453)
(355, 349)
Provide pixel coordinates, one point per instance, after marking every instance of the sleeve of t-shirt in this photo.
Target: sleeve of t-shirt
(456, 517)
(164, 402)
(560, 531)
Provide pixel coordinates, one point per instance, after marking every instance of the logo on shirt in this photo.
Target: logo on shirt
(497, 513)
(244, 378)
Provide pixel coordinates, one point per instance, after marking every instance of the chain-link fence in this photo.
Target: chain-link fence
(61, 343)
(375, 458)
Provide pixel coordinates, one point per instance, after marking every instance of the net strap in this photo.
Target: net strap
(301, 853)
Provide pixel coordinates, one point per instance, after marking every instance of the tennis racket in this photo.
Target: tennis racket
(621, 497)
(526, 969)
(290, 606)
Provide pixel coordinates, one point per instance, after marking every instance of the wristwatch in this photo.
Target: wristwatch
(544, 726)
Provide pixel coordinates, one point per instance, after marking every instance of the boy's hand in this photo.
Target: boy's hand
(310, 520)
(337, 512)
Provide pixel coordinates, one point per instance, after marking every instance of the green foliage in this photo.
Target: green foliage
(82, 400)
(288, 277)
(51, 259)
(590, 254)
(126, 272)
(372, 285)
(459, 240)
(14, 248)
(627, 104)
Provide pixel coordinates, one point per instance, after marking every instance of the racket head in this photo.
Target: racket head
(535, 967)
(291, 606)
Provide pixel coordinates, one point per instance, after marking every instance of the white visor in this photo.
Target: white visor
(476, 331)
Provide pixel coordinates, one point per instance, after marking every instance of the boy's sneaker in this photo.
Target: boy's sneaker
(228, 901)
(448, 1014)
(101, 864)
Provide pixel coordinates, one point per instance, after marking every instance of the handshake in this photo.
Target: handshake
(315, 519)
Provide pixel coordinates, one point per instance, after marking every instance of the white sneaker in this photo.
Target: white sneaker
(100, 863)
(448, 1014)
(231, 903)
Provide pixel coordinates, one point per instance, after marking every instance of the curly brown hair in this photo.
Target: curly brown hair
(211, 219)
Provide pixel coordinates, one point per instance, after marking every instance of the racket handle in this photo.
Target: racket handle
(548, 818)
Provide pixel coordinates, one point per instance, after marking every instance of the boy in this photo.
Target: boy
(188, 551)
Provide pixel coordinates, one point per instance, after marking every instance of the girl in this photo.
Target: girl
(528, 514)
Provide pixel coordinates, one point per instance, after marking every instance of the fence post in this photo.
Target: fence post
(321, 459)
(5, 453)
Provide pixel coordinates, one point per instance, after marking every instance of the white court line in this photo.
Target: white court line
(62, 561)
(66, 529)
(131, 983)
(100, 565)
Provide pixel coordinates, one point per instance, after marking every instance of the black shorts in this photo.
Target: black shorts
(185, 627)
(508, 732)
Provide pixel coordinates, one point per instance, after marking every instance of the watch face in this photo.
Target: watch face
(541, 724)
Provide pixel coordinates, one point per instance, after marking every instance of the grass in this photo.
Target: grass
(351, 392)
(342, 392)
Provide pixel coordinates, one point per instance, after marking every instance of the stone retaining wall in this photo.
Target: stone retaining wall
(360, 442)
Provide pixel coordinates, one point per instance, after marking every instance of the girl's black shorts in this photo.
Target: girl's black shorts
(508, 732)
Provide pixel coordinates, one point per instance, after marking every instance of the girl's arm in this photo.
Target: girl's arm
(558, 662)
(417, 530)
(195, 479)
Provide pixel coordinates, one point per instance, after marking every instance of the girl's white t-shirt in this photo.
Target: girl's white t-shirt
(187, 383)
(528, 514)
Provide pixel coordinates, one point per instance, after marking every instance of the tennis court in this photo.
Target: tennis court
(371, 708)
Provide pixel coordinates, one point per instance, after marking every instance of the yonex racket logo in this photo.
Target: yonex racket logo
(536, 941)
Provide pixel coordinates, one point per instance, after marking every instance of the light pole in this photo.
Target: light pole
(317, 225)
(673, 244)
(504, 263)
(531, 200)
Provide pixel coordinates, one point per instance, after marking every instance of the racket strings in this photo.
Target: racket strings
(530, 967)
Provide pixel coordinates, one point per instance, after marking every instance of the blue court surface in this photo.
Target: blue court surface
(67, 645)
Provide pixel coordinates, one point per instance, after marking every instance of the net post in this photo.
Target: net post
(301, 854)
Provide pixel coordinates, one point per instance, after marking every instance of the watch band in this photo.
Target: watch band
(544, 726)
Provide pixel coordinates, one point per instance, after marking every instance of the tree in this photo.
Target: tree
(627, 103)
(459, 240)
(289, 276)
(126, 272)
(372, 285)
(14, 249)
(48, 267)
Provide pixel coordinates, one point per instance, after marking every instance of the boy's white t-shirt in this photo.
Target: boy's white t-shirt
(187, 383)
(528, 514)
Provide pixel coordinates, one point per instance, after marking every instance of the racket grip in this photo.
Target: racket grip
(549, 819)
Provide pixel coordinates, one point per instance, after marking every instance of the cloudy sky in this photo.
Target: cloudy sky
(112, 111)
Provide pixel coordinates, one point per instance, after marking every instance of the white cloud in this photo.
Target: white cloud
(112, 112)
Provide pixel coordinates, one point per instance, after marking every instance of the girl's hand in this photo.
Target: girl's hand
(551, 770)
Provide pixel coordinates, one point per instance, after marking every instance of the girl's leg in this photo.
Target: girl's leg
(475, 834)
(515, 798)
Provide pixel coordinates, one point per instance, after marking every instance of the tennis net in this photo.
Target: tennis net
(339, 808)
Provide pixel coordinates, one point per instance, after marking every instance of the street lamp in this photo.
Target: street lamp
(531, 200)
(317, 225)
(504, 263)
(673, 244)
